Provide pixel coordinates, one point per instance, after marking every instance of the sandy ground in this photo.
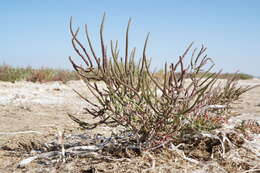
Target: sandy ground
(33, 106)
(26, 106)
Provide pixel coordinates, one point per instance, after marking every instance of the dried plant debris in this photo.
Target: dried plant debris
(251, 126)
(218, 151)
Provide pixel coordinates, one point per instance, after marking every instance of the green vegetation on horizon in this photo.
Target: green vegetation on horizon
(45, 74)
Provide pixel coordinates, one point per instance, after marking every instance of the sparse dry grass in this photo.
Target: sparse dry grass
(12, 74)
(45, 74)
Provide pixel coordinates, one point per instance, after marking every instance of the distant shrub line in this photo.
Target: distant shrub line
(44, 74)
(239, 76)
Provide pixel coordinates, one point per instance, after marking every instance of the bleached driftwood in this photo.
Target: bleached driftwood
(88, 153)
(84, 148)
(182, 154)
(43, 155)
(21, 132)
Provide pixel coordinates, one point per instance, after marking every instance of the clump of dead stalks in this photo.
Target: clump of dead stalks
(154, 110)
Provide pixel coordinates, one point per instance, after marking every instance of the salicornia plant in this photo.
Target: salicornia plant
(133, 97)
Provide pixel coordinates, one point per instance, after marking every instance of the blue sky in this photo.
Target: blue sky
(35, 32)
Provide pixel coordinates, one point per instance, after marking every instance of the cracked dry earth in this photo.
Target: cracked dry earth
(42, 109)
